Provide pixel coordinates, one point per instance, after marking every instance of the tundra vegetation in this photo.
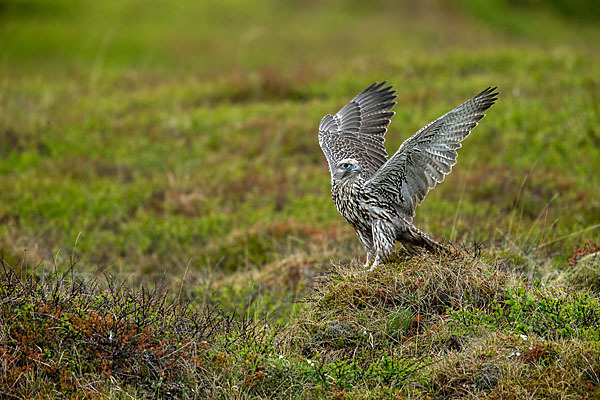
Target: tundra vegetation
(165, 220)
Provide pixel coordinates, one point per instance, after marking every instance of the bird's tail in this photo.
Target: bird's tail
(417, 238)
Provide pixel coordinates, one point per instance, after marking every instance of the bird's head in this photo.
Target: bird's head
(346, 168)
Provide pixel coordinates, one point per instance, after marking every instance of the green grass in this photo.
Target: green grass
(176, 143)
(157, 175)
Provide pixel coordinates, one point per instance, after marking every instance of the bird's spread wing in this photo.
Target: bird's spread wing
(425, 158)
(357, 130)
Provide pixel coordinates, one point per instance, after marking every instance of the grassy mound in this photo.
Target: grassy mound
(453, 327)
(424, 327)
(398, 301)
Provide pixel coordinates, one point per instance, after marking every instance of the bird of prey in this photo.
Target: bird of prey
(377, 196)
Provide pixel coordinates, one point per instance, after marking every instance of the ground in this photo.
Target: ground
(175, 144)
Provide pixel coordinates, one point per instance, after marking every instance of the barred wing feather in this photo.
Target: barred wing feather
(425, 158)
(357, 131)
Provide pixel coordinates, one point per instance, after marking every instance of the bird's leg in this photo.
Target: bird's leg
(369, 258)
(366, 240)
(375, 263)
(384, 237)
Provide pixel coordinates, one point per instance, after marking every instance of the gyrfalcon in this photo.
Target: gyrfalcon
(377, 196)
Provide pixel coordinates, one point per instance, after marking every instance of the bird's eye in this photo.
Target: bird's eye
(345, 165)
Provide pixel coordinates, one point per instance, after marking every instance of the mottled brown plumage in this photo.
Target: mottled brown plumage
(377, 195)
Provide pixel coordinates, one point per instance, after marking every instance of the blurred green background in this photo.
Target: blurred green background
(151, 137)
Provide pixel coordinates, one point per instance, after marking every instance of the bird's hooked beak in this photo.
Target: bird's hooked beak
(355, 168)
